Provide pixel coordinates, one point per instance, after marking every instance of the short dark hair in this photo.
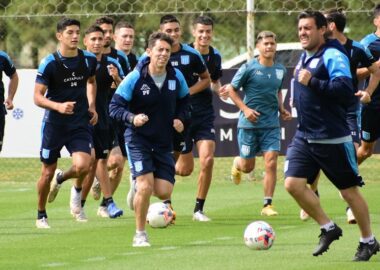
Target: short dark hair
(168, 19)
(376, 11)
(319, 19)
(94, 28)
(104, 20)
(65, 22)
(205, 20)
(265, 34)
(159, 36)
(123, 24)
(336, 16)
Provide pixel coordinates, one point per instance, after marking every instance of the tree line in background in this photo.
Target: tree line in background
(29, 35)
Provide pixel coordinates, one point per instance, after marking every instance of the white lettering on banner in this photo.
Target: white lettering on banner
(226, 135)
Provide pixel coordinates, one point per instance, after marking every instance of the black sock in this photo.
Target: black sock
(167, 202)
(103, 203)
(82, 203)
(199, 203)
(108, 201)
(267, 201)
(60, 178)
(41, 214)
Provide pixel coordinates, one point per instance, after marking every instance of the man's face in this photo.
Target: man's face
(108, 34)
(309, 36)
(124, 38)
(94, 42)
(69, 37)
(203, 34)
(267, 47)
(159, 54)
(172, 29)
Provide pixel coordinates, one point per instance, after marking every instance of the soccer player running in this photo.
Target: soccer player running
(124, 38)
(108, 71)
(370, 116)
(118, 155)
(358, 56)
(191, 64)
(201, 130)
(153, 101)
(6, 66)
(66, 88)
(259, 125)
(323, 91)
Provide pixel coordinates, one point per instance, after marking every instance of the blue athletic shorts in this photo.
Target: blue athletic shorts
(253, 141)
(201, 128)
(143, 159)
(54, 137)
(103, 139)
(337, 161)
(118, 137)
(370, 124)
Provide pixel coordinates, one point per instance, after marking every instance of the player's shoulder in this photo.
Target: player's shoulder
(4, 55)
(89, 55)
(368, 39)
(47, 60)
(190, 50)
(216, 51)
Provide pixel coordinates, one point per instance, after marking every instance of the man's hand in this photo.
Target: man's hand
(178, 125)
(223, 92)
(8, 104)
(140, 120)
(94, 116)
(304, 76)
(251, 115)
(365, 97)
(285, 115)
(66, 107)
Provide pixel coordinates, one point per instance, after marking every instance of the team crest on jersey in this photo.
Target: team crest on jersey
(171, 85)
(145, 89)
(185, 59)
(138, 166)
(279, 74)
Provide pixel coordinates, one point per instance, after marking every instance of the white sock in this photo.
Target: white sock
(328, 226)
(367, 240)
(140, 232)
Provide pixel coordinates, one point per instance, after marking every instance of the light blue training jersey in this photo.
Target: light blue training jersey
(260, 85)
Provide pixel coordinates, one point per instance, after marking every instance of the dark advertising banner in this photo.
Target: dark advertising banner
(227, 115)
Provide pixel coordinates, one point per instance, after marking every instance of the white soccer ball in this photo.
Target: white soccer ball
(259, 235)
(159, 215)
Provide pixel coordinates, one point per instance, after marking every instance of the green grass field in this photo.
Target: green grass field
(106, 244)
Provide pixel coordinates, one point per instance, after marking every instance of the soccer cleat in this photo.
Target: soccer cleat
(81, 216)
(131, 193)
(235, 174)
(350, 216)
(54, 186)
(141, 240)
(75, 201)
(365, 251)
(42, 223)
(268, 211)
(113, 211)
(303, 215)
(95, 189)
(326, 238)
(200, 216)
(103, 212)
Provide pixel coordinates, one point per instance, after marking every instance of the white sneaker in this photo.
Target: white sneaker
(140, 240)
(75, 201)
(42, 223)
(200, 216)
(95, 189)
(131, 193)
(303, 215)
(81, 217)
(350, 216)
(54, 186)
(103, 212)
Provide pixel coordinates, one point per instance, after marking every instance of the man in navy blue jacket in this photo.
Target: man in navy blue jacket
(153, 100)
(323, 90)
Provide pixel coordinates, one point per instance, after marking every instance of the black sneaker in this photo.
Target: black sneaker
(365, 251)
(326, 238)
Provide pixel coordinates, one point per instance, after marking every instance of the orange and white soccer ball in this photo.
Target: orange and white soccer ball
(259, 235)
(159, 215)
